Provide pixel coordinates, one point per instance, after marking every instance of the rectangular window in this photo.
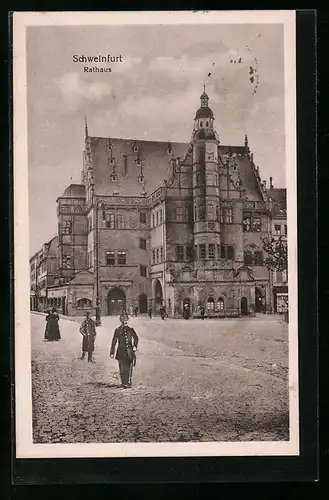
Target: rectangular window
(277, 229)
(157, 218)
(179, 253)
(66, 227)
(142, 217)
(189, 252)
(161, 216)
(110, 258)
(66, 262)
(142, 243)
(278, 277)
(90, 259)
(246, 223)
(153, 220)
(121, 221)
(248, 258)
(110, 221)
(222, 252)
(153, 256)
(122, 258)
(211, 250)
(179, 214)
(201, 213)
(285, 229)
(230, 252)
(202, 250)
(211, 212)
(228, 216)
(258, 258)
(143, 271)
(158, 254)
(221, 216)
(161, 254)
(256, 223)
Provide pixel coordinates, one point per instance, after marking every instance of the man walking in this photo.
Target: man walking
(88, 332)
(150, 312)
(127, 340)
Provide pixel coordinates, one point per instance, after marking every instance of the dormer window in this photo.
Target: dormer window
(113, 178)
(136, 149)
(141, 178)
(201, 124)
(139, 163)
(207, 124)
(111, 160)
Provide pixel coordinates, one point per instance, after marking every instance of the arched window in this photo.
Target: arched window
(210, 304)
(84, 303)
(220, 304)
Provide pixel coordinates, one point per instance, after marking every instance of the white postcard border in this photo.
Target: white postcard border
(25, 448)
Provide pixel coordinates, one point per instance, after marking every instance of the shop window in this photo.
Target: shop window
(210, 304)
(84, 303)
(220, 304)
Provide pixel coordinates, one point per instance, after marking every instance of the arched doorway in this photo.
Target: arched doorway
(142, 303)
(158, 295)
(244, 306)
(259, 300)
(116, 302)
(187, 306)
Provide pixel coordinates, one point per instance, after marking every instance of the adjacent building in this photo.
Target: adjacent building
(162, 223)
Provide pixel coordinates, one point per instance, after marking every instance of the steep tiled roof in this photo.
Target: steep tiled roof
(279, 198)
(156, 165)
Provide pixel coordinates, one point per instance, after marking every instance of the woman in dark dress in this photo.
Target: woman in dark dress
(52, 329)
(46, 329)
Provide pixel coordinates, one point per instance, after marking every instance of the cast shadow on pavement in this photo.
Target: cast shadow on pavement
(104, 384)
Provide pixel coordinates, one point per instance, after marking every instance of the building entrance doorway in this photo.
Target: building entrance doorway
(259, 300)
(158, 295)
(244, 306)
(116, 302)
(142, 303)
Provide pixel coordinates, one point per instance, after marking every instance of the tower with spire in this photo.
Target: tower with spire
(206, 202)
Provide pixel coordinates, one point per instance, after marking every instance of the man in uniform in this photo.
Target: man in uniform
(88, 332)
(127, 340)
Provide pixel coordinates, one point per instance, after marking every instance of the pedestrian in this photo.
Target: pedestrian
(150, 312)
(162, 312)
(53, 333)
(127, 340)
(47, 324)
(88, 332)
(202, 311)
(136, 311)
(186, 312)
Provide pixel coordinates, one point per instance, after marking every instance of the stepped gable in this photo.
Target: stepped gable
(246, 170)
(155, 165)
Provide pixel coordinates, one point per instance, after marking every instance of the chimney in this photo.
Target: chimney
(264, 185)
(271, 182)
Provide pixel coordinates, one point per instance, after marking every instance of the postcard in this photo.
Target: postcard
(155, 217)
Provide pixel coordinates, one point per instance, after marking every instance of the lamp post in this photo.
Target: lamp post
(98, 322)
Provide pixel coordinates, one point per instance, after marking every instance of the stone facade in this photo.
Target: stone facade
(165, 223)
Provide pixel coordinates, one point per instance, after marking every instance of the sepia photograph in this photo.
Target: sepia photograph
(155, 234)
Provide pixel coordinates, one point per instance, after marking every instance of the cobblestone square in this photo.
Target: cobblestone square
(211, 380)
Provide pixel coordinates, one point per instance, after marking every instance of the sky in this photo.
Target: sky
(152, 95)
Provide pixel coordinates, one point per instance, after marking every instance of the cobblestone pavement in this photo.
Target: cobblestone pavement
(211, 380)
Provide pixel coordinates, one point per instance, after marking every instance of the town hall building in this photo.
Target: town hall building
(161, 223)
